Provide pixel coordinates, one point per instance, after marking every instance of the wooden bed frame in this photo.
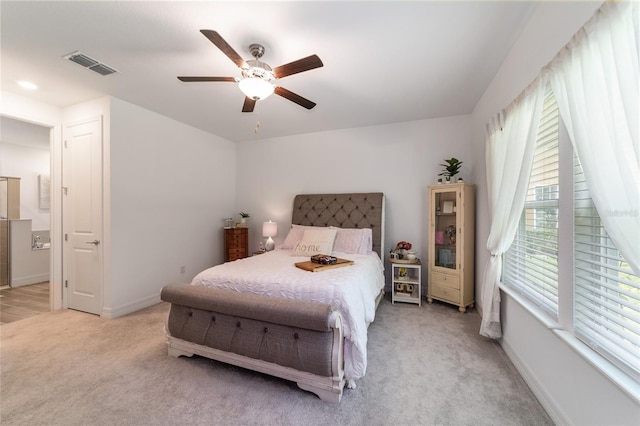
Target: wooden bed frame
(294, 340)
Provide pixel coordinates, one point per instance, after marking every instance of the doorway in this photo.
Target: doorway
(25, 218)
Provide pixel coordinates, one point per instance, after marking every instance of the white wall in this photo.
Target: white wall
(171, 185)
(570, 388)
(160, 203)
(399, 160)
(25, 153)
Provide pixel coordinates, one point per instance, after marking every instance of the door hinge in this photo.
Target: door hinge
(66, 237)
(65, 143)
(66, 283)
(64, 190)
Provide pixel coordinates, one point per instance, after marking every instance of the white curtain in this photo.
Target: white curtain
(510, 145)
(595, 81)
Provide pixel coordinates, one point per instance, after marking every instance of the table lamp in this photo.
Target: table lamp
(269, 230)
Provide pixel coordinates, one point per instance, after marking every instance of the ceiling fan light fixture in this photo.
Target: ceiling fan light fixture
(256, 88)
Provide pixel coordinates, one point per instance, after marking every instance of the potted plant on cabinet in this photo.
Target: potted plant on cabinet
(451, 168)
(243, 218)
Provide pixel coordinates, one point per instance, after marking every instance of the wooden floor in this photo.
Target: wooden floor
(23, 302)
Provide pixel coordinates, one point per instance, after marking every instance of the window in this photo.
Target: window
(531, 264)
(606, 293)
(547, 215)
(605, 310)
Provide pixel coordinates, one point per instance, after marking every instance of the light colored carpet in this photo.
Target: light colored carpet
(427, 365)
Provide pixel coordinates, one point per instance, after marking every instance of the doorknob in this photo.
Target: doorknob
(94, 242)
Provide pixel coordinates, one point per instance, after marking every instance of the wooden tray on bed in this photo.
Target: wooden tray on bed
(316, 267)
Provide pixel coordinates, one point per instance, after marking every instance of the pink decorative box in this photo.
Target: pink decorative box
(439, 237)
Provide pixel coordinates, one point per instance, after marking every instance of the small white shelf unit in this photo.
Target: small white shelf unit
(406, 279)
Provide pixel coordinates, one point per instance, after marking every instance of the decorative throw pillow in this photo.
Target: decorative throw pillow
(353, 240)
(295, 235)
(315, 241)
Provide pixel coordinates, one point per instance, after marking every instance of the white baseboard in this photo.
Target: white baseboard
(32, 279)
(555, 412)
(131, 307)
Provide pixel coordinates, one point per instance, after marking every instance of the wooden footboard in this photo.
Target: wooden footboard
(291, 339)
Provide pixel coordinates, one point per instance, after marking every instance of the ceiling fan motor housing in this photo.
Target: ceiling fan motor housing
(258, 69)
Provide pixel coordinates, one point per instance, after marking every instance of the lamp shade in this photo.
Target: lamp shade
(269, 229)
(256, 88)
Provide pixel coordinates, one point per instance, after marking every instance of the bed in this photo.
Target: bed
(266, 314)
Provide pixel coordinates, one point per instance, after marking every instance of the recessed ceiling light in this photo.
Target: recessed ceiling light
(27, 85)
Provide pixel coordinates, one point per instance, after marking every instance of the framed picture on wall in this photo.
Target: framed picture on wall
(44, 192)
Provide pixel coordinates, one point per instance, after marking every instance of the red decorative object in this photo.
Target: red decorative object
(403, 245)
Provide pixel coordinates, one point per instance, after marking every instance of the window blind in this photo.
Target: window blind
(606, 292)
(531, 263)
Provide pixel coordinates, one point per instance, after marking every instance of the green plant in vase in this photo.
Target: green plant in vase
(451, 168)
(244, 216)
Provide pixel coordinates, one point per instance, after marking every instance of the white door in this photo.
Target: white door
(82, 215)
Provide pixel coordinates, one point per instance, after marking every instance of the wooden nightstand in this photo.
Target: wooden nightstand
(236, 243)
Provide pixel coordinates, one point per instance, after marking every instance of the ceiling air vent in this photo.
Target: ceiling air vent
(90, 63)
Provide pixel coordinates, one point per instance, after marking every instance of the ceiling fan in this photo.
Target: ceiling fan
(258, 78)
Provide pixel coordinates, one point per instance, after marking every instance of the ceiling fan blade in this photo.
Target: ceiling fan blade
(192, 79)
(301, 65)
(221, 44)
(287, 94)
(249, 104)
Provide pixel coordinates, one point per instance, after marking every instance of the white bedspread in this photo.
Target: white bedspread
(351, 289)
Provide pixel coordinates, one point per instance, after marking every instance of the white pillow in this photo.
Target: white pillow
(315, 241)
(295, 236)
(353, 240)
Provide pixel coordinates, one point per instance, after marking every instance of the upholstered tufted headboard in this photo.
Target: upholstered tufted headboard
(356, 210)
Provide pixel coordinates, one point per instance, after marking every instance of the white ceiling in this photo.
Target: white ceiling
(384, 62)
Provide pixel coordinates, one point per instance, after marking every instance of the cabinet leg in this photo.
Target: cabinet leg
(462, 309)
(430, 300)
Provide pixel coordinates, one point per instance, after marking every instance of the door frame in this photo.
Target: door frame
(26, 109)
(52, 121)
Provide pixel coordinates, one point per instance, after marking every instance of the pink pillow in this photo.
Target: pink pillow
(353, 240)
